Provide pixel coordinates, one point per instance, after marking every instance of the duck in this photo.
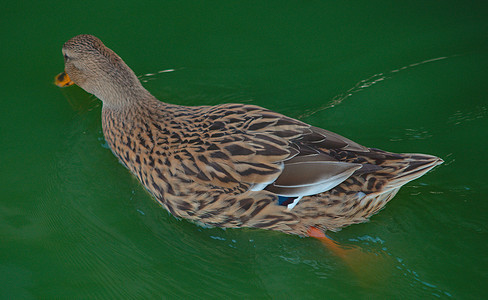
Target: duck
(236, 165)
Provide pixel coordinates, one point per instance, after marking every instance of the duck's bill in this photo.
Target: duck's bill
(62, 80)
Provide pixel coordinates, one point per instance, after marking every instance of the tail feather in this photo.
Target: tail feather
(413, 167)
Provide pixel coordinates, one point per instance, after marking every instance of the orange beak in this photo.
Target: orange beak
(62, 80)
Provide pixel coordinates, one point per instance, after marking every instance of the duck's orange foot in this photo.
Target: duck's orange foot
(62, 80)
(368, 266)
(315, 232)
(328, 242)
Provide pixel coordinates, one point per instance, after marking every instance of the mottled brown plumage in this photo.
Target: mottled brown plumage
(236, 165)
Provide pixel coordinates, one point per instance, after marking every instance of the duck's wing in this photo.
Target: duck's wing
(314, 170)
(260, 149)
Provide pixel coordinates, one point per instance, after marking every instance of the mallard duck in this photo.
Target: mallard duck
(236, 165)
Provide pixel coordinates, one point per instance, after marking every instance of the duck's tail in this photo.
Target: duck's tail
(363, 194)
(410, 167)
(380, 187)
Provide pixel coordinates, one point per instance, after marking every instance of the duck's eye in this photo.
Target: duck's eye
(66, 57)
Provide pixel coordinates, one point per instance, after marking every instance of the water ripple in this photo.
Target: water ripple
(461, 117)
(367, 83)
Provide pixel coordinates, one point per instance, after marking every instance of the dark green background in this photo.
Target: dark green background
(404, 76)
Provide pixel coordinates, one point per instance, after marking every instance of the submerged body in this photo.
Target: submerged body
(236, 165)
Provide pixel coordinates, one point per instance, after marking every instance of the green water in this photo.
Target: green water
(403, 76)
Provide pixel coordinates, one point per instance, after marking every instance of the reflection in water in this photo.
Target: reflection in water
(81, 105)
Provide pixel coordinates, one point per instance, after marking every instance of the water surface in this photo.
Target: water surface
(404, 77)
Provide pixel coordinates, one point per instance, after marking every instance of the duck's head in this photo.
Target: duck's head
(98, 70)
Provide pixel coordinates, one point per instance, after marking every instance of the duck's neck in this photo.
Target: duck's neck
(122, 96)
(130, 103)
(120, 88)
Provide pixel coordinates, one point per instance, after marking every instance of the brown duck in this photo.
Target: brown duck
(236, 165)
